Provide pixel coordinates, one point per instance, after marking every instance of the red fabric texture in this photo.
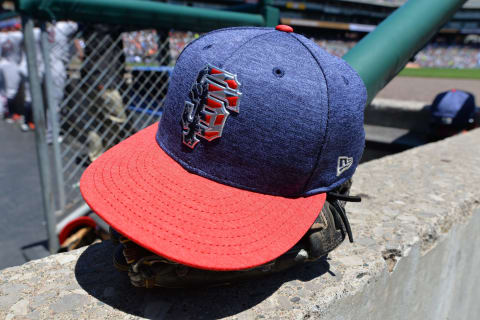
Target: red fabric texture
(284, 28)
(148, 197)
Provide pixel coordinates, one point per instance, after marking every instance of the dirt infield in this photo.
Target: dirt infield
(425, 89)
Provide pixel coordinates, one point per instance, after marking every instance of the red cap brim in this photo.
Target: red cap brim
(151, 199)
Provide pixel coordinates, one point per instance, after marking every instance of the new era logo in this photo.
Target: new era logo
(344, 163)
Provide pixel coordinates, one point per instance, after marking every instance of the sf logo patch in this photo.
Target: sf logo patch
(213, 95)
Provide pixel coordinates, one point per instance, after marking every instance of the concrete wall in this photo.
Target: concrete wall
(440, 284)
(410, 115)
(415, 257)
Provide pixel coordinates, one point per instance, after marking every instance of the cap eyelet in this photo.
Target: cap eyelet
(208, 46)
(277, 72)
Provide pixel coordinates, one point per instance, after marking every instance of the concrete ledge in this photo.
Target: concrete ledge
(410, 115)
(415, 257)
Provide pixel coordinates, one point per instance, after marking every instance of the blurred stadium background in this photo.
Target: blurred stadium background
(336, 25)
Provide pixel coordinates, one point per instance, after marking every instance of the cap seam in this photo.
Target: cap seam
(323, 143)
(212, 32)
(243, 44)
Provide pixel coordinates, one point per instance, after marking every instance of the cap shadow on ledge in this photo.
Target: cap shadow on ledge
(95, 273)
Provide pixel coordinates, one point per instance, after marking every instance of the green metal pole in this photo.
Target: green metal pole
(139, 13)
(40, 140)
(383, 53)
(53, 111)
(271, 14)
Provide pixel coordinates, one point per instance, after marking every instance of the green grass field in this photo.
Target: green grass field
(441, 73)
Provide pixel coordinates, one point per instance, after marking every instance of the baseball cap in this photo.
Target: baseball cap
(258, 124)
(453, 107)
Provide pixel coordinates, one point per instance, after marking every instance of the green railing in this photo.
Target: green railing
(148, 14)
(377, 58)
(383, 53)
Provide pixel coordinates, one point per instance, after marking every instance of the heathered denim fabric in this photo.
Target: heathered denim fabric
(345, 133)
(290, 130)
(456, 104)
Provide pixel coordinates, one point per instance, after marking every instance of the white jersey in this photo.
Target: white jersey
(3, 39)
(60, 37)
(8, 66)
(16, 39)
(23, 71)
(40, 65)
(3, 91)
(11, 74)
(3, 83)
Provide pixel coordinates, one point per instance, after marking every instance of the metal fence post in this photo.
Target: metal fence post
(40, 139)
(53, 114)
(270, 13)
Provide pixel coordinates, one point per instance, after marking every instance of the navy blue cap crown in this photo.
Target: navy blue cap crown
(264, 110)
(453, 107)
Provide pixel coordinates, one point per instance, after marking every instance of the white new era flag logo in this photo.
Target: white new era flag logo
(343, 164)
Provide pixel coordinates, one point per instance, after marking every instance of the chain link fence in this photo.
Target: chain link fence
(107, 83)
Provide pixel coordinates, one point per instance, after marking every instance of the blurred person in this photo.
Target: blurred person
(16, 38)
(3, 84)
(161, 46)
(102, 75)
(28, 123)
(3, 91)
(106, 65)
(452, 112)
(11, 74)
(60, 36)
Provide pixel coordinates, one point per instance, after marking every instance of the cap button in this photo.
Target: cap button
(284, 28)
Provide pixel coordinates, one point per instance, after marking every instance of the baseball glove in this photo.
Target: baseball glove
(146, 269)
